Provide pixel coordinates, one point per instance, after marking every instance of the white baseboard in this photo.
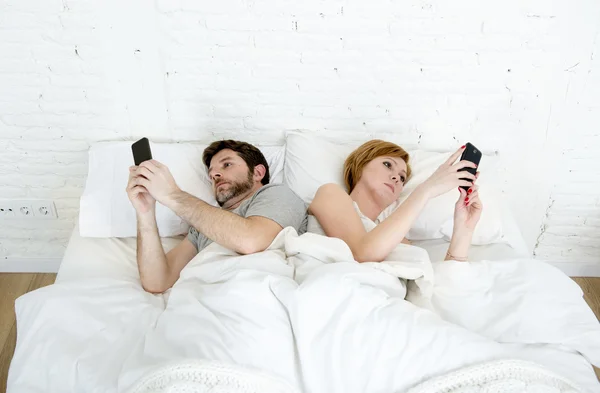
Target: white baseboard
(578, 269)
(29, 265)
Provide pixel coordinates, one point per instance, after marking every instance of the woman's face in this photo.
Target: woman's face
(385, 178)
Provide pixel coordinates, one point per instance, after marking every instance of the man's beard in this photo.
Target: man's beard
(235, 189)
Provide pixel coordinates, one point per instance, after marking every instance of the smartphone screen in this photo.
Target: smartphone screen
(141, 151)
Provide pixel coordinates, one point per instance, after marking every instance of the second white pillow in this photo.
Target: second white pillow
(437, 218)
(312, 161)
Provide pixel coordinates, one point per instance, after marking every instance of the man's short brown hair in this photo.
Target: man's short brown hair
(249, 153)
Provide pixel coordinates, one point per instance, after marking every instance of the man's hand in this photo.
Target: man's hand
(157, 179)
(139, 196)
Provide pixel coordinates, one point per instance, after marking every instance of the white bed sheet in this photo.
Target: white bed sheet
(87, 257)
(103, 333)
(437, 248)
(115, 257)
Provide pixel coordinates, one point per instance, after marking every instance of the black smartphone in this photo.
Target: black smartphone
(473, 154)
(141, 151)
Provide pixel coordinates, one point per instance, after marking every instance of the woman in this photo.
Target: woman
(375, 175)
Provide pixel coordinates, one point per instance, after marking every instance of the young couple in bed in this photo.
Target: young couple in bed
(252, 212)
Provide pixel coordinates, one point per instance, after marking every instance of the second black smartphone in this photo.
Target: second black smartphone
(141, 151)
(473, 154)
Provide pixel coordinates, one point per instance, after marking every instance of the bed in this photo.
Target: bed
(104, 317)
(304, 317)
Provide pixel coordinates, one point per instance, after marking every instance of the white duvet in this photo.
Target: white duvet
(302, 316)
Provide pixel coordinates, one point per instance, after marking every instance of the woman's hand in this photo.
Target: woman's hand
(448, 176)
(467, 210)
(467, 213)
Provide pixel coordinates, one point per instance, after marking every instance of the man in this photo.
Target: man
(252, 211)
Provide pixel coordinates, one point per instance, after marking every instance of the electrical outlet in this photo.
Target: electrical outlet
(23, 209)
(27, 209)
(44, 209)
(6, 210)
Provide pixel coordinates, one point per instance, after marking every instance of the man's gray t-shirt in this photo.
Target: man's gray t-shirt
(273, 201)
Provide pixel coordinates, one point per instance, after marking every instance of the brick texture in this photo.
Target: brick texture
(518, 77)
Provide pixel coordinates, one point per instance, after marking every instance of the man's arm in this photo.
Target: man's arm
(158, 272)
(243, 235)
(151, 258)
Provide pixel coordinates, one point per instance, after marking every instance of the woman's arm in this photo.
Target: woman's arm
(334, 210)
(467, 213)
(459, 246)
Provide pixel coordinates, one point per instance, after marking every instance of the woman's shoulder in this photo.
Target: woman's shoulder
(327, 195)
(331, 189)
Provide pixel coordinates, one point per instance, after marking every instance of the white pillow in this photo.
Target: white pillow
(437, 218)
(312, 161)
(105, 209)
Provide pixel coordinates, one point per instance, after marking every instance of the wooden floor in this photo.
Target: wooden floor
(13, 285)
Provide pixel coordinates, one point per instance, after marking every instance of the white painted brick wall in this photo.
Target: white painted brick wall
(519, 77)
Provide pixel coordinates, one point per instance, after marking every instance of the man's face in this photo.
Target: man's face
(230, 176)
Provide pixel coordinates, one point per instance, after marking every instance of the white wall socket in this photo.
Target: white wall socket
(27, 209)
(6, 210)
